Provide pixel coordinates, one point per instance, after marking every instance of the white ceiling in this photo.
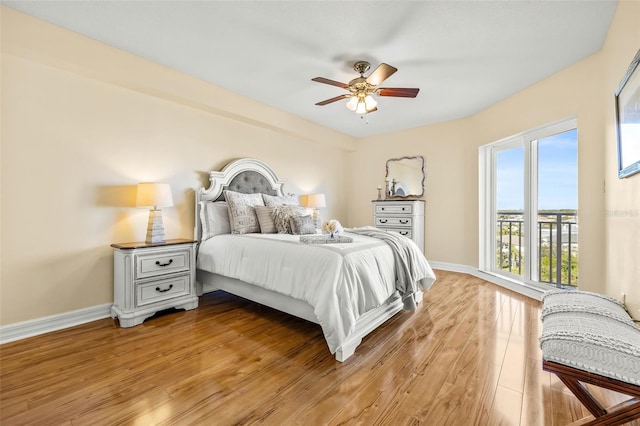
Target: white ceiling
(463, 55)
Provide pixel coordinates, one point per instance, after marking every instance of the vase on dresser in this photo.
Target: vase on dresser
(405, 217)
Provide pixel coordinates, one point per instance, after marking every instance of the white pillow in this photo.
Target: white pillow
(287, 200)
(242, 212)
(214, 218)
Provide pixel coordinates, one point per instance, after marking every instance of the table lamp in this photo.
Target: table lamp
(313, 201)
(154, 195)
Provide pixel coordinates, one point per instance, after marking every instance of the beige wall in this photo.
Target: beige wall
(451, 169)
(82, 123)
(609, 243)
(622, 196)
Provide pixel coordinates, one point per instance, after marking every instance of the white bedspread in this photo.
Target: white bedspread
(340, 281)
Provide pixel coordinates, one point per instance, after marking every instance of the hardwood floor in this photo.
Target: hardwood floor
(468, 356)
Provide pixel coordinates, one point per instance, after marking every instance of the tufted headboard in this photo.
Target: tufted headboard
(248, 182)
(247, 175)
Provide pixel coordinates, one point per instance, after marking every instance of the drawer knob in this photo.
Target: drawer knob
(164, 264)
(383, 220)
(165, 290)
(404, 222)
(404, 233)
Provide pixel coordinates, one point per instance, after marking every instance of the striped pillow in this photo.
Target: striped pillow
(265, 219)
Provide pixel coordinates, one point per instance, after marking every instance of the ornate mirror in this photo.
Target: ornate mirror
(405, 177)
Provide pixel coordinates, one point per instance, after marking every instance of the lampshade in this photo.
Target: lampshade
(313, 201)
(152, 194)
(370, 103)
(361, 103)
(352, 103)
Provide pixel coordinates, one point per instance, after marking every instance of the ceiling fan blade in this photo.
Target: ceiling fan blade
(380, 74)
(337, 98)
(331, 82)
(399, 92)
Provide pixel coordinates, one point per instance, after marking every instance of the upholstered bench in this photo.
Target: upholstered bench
(590, 338)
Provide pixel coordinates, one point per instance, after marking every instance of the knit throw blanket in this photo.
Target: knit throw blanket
(412, 269)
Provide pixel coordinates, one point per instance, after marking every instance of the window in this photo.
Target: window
(528, 206)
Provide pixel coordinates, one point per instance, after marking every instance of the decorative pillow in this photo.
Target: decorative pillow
(287, 200)
(282, 217)
(265, 219)
(214, 218)
(242, 212)
(302, 225)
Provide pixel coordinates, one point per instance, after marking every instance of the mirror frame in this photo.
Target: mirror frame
(410, 196)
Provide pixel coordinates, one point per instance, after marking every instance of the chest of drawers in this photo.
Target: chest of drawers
(405, 217)
(152, 277)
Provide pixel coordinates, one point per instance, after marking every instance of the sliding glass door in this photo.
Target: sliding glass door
(529, 222)
(510, 253)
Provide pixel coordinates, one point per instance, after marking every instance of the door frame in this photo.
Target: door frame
(487, 179)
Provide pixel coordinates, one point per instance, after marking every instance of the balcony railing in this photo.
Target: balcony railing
(557, 233)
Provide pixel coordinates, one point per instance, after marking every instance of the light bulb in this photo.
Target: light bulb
(361, 108)
(353, 102)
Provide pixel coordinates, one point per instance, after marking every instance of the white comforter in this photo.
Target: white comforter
(340, 281)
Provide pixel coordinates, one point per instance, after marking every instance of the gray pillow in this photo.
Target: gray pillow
(302, 225)
(287, 200)
(282, 217)
(265, 219)
(242, 212)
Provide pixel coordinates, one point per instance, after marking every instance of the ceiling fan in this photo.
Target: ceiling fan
(361, 89)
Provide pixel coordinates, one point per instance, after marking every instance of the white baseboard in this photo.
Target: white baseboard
(521, 288)
(22, 330)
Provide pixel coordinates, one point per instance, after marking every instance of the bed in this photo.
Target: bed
(349, 289)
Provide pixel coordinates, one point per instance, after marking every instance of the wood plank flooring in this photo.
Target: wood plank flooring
(468, 356)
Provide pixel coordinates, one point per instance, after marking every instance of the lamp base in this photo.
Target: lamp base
(155, 228)
(315, 216)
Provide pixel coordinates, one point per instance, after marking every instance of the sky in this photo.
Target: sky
(557, 174)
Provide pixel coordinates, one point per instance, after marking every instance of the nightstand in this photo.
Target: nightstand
(149, 278)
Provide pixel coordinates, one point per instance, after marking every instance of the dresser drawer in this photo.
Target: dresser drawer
(406, 232)
(405, 217)
(393, 221)
(154, 264)
(394, 208)
(164, 289)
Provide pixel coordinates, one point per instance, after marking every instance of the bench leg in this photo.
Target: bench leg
(617, 415)
(620, 414)
(584, 396)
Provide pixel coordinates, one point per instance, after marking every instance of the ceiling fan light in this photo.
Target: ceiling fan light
(361, 108)
(353, 102)
(370, 103)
